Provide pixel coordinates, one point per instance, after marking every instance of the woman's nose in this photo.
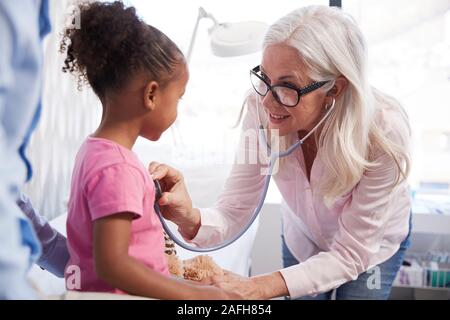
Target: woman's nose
(269, 101)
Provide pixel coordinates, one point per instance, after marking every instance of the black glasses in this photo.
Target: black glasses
(286, 95)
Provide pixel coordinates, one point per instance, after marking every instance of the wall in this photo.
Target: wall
(68, 116)
(382, 19)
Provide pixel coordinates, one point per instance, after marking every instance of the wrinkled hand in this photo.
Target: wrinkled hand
(205, 291)
(208, 292)
(175, 202)
(231, 282)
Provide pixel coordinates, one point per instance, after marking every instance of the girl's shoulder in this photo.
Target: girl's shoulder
(99, 155)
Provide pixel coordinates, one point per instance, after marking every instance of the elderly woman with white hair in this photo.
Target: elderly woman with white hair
(346, 204)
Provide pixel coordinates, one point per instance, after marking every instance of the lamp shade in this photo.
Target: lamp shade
(236, 39)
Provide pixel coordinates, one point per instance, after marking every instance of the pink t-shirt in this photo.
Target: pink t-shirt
(109, 179)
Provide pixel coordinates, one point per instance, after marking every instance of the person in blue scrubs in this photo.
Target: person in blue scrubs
(23, 25)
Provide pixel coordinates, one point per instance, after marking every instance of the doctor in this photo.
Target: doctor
(346, 204)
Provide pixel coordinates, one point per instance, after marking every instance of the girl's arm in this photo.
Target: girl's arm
(117, 268)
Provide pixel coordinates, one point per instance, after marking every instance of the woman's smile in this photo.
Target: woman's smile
(278, 118)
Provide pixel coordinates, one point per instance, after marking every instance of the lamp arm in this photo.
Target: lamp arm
(201, 14)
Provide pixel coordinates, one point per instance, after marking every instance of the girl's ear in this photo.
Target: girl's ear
(150, 95)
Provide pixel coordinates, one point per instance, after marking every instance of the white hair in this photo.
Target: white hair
(331, 45)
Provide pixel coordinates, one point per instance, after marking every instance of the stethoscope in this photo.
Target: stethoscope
(273, 158)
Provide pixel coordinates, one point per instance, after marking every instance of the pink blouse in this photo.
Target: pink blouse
(334, 245)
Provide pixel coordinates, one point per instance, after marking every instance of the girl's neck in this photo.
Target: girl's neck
(123, 133)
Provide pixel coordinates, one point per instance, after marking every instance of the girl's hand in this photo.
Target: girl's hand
(175, 202)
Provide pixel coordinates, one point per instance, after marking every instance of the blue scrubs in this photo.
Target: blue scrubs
(23, 24)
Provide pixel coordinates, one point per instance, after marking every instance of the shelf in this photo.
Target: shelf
(411, 293)
(421, 288)
(437, 224)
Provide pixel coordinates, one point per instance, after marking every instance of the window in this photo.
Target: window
(409, 54)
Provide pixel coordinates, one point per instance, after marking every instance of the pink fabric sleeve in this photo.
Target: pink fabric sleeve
(115, 189)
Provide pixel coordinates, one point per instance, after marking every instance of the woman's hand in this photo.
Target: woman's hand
(253, 288)
(175, 202)
(207, 292)
(201, 290)
(243, 286)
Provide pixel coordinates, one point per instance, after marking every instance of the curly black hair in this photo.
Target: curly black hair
(111, 44)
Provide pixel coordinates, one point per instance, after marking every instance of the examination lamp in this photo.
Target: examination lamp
(230, 39)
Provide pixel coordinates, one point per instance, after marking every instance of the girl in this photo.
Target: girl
(139, 74)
